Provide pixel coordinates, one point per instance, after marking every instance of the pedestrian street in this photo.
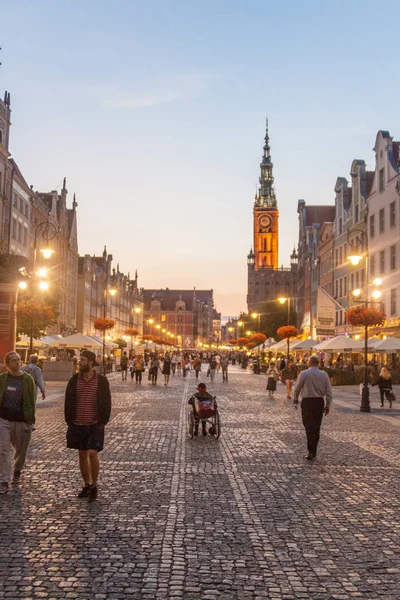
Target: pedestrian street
(242, 517)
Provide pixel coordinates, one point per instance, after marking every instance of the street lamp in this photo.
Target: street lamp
(257, 316)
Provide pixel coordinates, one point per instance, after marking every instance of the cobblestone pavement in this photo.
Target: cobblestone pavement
(243, 517)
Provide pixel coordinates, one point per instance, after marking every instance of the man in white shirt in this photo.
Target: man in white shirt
(313, 385)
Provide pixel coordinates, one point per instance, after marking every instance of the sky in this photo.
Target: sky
(155, 112)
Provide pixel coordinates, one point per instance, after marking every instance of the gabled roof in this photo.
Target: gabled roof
(168, 298)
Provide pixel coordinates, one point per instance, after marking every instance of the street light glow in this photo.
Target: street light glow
(376, 294)
(42, 272)
(282, 300)
(230, 328)
(47, 252)
(240, 323)
(43, 285)
(357, 292)
(355, 259)
(377, 281)
(254, 315)
(22, 285)
(138, 310)
(151, 321)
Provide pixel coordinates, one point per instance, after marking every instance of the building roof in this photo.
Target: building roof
(168, 298)
(18, 173)
(319, 214)
(396, 151)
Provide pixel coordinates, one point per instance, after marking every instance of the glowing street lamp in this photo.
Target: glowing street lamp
(43, 285)
(355, 259)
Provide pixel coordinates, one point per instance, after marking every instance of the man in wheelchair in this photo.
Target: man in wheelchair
(204, 406)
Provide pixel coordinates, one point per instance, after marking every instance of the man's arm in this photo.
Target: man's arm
(40, 382)
(328, 395)
(298, 387)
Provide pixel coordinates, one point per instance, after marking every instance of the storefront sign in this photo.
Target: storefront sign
(325, 322)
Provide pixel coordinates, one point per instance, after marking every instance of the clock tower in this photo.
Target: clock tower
(265, 215)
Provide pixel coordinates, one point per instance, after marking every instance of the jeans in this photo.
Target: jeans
(224, 374)
(138, 376)
(312, 410)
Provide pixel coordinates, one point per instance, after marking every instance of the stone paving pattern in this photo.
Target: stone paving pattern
(243, 517)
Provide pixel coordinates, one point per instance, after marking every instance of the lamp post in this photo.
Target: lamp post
(257, 316)
(282, 300)
(355, 240)
(112, 291)
(48, 232)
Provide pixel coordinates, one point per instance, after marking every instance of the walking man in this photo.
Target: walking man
(17, 417)
(124, 366)
(36, 373)
(224, 366)
(87, 411)
(313, 385)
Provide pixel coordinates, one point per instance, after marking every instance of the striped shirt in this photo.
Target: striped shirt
(86, 400)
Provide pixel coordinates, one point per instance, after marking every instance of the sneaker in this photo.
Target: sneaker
(3, 487)
(92, 494)
(16, 476)
(84, 493)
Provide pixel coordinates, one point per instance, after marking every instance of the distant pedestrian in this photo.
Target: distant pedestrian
(272, 378)
(153, 369)
(384, 383)
(173, 363)
(166, 369)
(17, 418)
(138, 368)
(313, 385)
(289, 374)
(124, 366)
(36, 374)
(197, 366)
(218, 361)
(213, 367)
(224, 367)
(87, 411)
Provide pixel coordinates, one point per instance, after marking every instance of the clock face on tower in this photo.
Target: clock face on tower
(265, 221)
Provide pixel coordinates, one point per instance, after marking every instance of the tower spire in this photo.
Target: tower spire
(266, 195)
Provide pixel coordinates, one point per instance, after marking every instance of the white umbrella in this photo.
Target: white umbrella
(390, 345)
(77, 340)
(25, 341)
(340, 343)
(99, 340)
(305, 345)
(47, 339)
(282, 346)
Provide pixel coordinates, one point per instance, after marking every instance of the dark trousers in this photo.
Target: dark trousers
(138, 376)
(312, 410)
(224, 374)
(384, 393)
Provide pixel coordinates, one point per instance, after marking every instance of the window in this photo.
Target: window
(362, 278)
(357, 214)
(21, 205)
(163, 318)
(20, 233)
(26, 209)
(340, 226)
(15, 201)
(352, 281)
(372, 226)
(392, 214)
(382, 220)
(372, 265)
(358, 279)
(345, 286)
(392, 258)
(336, 257)
(381, 180)
(340, 288)
(382, 261)
(14, 229)
(179, 317)
(393, 302)
(336, 288)
(25, 236)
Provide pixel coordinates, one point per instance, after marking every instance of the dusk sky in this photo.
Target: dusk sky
(155, 112)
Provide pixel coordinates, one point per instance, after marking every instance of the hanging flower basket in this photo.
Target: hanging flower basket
(250, 345)
(233, 342)
(366, 316)
(258, 338)
(287, 331)
(103, 324)
(147, 337)
(131, 331)
(242, 341)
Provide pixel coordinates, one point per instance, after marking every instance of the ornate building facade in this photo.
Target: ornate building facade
(266, 281)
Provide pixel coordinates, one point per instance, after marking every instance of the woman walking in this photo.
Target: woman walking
(154, 366)
(138, 367)
(385, 386)
(289, 374)
(166, 369)
(273, 376)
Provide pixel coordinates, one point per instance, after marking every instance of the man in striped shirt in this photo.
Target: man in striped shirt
(87, 411)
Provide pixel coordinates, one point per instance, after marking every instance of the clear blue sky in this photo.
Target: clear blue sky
(154, 111)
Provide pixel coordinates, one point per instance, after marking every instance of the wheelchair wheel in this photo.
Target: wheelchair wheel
(190, 424)
(217, 425)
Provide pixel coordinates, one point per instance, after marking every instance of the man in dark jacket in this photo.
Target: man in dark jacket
(87, 411)
(201, 396)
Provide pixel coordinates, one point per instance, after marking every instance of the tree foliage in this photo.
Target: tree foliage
(37, 312)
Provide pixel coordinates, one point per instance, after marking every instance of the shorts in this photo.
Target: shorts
(85, 437)
(124, 367)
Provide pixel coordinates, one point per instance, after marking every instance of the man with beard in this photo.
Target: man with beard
(87, 411)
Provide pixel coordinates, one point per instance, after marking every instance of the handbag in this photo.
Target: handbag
(391, 397)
